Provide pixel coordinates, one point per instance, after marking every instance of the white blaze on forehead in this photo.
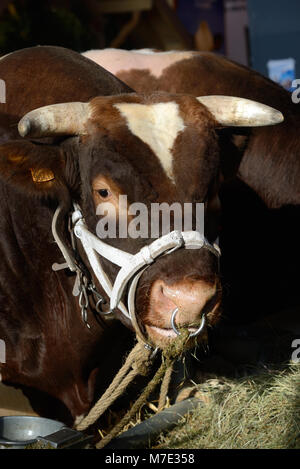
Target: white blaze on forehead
(157, 125)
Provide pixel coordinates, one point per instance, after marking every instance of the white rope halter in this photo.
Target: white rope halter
(131, 266)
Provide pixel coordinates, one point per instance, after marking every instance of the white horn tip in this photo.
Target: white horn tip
(233, 111)
(267, 116)
(24, 127)
(278, 117)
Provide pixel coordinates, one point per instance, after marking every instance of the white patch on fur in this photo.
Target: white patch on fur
(119, 60)
(144, 51)
(157, 125)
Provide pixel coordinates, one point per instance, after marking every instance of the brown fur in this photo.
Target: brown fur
(61, 364)
(260, 195)
(270, 163)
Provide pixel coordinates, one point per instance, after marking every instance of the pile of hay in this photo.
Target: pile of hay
(261, 411)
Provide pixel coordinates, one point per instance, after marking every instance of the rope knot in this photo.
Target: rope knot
(142, 360)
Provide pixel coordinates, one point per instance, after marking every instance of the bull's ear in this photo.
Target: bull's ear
(34, 169)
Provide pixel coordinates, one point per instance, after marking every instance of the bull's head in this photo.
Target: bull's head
(159, 148)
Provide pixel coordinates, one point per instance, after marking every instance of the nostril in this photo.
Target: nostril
(159, 300)
(172, 293)
(164, 290)
(189, 295)
(187, 305)
(193, 299)
(167, 300)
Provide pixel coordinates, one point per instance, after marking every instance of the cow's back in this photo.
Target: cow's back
(189, 72)
(43, 75)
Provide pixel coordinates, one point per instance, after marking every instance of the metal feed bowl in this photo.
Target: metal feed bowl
(20, 431)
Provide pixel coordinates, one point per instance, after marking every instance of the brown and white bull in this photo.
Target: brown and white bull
(261, 194)
(267, 158)
(74, 137)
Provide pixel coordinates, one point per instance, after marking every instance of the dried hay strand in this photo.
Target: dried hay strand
(257, 412)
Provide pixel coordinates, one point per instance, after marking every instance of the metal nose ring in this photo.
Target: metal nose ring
(193, 334)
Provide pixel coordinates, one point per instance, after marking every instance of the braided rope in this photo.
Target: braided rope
(138, 362)
(170, 354)
(164, 388)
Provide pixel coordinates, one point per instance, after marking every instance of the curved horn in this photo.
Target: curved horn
(239, 112)
(56, 119)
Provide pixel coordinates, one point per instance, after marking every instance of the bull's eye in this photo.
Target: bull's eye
(104, 193)
(105, 190)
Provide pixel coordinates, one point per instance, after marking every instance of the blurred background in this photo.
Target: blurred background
(261, 34)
